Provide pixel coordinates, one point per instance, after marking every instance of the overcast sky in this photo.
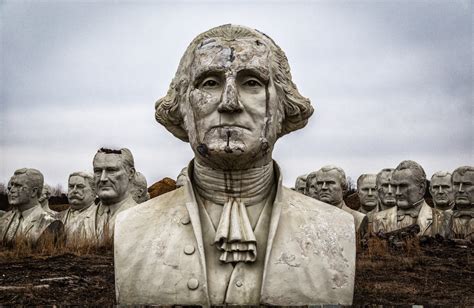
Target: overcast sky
(389, 80)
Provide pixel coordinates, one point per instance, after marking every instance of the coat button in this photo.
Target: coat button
(193, 284)
(189, 249)
(185, 220)
(238, 283)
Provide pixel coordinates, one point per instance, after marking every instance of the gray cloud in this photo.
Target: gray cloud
(389, 81)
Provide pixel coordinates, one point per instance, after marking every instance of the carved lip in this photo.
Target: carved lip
(230, 126)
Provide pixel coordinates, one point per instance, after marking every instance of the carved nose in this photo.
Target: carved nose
(460, 187)
(324, 186)
(390, 189)
(230, 99)
(103, 176)
(397, 190)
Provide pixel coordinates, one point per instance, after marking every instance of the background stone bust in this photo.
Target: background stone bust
(300, 184)
(385, 188)
(113, 172)
(25, 188)
(139, 188)
(463, 186)
(441, 189)
(328, 184)
(367, 191)
(410, 181)
(81, 190)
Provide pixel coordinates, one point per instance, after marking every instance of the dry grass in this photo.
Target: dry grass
(51, 244)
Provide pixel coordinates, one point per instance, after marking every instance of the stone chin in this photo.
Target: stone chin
(463, 203)
(225, 144)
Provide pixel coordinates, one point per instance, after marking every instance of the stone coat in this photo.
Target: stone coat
(83, 226)
(386, 220)
(160, 259)
(360, 220)
(39, 222)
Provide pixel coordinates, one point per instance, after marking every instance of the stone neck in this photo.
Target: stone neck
(249, 186)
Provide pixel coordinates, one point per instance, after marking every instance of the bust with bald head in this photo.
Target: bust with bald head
(232, 230)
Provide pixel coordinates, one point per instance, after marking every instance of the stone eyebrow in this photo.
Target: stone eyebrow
(206, 72)
(260, 72)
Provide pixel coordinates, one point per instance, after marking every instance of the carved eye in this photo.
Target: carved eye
(209, 83)
(252, 83)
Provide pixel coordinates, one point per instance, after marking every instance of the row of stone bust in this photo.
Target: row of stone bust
(394, 198)
(115, 183)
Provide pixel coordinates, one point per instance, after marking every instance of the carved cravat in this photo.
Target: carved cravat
(234, 191)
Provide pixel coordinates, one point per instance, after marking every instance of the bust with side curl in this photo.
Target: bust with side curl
(233, 235)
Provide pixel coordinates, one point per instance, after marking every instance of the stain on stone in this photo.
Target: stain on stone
(232, 56)
(203, 150)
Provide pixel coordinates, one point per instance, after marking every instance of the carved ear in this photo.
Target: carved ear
(34, 192)
(131, 173)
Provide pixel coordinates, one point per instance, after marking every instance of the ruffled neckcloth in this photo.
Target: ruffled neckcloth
(235, 190)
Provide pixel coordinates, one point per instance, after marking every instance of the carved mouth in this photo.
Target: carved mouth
(229, 126)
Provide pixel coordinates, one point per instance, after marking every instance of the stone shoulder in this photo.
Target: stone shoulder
(156, 207)
(307, 205)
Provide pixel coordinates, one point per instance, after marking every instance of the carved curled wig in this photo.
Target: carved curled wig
(296, 108)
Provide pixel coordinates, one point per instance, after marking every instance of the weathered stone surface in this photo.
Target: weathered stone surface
(28, 221)
(114, 171)
(231, 99)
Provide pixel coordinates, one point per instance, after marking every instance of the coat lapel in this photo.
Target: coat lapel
(6, 221)
(193, 211)
(276, 212)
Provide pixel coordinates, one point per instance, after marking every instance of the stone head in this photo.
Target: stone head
(300, 184)
(81, 189)
(328, 184)
(139, 189)
(114, 171)
(367, 191)
(45, 193)
(463, 187)
(441, 189)
(25, 188)
(385, 188)
(409, 180)
(232, 97)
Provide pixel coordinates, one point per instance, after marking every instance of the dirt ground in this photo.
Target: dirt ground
(437, 273)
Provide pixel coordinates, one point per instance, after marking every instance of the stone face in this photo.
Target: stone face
(441, 189)
(385, 189)
(114, 171)
(79, 219)
(329, 185)
(367, 191)
(463, 215)
(300, 184)
(27, 221)
(232, 235)
(409, 181)
(139, 188)
(368, 196)
(44, 199)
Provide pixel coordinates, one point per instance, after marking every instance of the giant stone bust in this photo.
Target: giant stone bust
(233, 235)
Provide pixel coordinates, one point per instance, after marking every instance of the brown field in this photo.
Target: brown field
(433, 273)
